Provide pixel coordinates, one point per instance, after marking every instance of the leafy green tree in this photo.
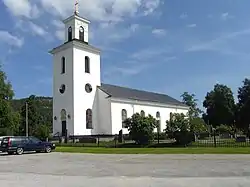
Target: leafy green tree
(178, 122)
(43, 107)
(42, 132)
(220, 106)
(9, 120)
(141, 128)
(178, 127)
(33, 116)
(225, 129)
(243, 106)
(198, 125)
(191, 101)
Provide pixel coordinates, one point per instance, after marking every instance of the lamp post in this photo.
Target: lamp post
(27, 122)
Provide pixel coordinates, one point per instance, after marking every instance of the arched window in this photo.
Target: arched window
(124, 117)
(63, 115)
(69, 33)
(158, 118)
(171, 116)
(142, 113)
(89, 119)
(87, 65)
(63, 68)
(81, 33)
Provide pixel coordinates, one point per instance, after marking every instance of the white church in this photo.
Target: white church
(82, 104)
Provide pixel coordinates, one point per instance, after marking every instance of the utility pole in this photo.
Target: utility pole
(27, 125)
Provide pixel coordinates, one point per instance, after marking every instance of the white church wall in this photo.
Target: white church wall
(82, 99)
(104, 125)
(136, 107)
(65, 100)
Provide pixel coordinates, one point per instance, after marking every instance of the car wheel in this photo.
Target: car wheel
(19, 151)
(47, 149)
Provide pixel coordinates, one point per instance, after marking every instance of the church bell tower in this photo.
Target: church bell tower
(76, 75)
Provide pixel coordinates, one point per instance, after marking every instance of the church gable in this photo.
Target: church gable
(140, 95)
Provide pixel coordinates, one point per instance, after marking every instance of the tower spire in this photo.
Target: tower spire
(76, 8)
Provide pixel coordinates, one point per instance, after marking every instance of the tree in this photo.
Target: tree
(177, 123)
(33, 116)
(178, 127)
(141, 128)
(9, 120)
(43, 107)
(198, 125)
(220, 106)
(225, 129)
(189, 100)
(42, 132)
(243, 106)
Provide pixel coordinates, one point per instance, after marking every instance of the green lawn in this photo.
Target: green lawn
(189, 150)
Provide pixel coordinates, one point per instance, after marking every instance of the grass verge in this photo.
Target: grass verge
(101, 150)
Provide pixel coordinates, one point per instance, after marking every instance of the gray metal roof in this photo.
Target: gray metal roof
(140, 95)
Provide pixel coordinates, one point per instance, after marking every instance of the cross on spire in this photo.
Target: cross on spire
(76, 8)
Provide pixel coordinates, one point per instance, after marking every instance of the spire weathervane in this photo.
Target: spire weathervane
(76, 8)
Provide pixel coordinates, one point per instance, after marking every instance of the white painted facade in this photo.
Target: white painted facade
(106, 111)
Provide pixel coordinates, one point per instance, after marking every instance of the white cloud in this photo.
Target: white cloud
(191, 25)
(10, 39)
(116, 34)
(220, 44)
(225, 16)
(57, 23)
(102, 10)
(37, 30)
(59, 29)
(149, 53)
(159, 32)
(150, 6)
(183, 16)
(139, 61)
(107, 13)
(22, 8)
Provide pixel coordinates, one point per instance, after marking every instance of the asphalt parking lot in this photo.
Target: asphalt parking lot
(73, 170)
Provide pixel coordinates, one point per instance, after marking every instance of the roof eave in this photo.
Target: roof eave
(151, 103)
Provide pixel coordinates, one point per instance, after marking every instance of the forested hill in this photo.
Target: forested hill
(40, 110)
(41, 103)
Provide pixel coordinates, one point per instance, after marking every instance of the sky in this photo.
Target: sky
(165, 46)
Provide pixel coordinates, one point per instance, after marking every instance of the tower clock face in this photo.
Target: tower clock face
(62, 88)
(88, 88)
(81, 29)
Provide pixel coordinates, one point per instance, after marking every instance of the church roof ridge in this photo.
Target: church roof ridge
(140, 95)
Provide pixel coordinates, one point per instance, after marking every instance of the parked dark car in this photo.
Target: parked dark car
(21, 144)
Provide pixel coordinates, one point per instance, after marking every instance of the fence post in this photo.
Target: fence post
(115, 140)
(98, 140)
(214, 138)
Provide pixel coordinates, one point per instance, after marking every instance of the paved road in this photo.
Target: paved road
(75, 170)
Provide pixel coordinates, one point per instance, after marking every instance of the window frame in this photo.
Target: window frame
(124, 117)
(142, 113)
(87, 64)
(89, 119)
(81, 34)
(70, 35)
(63, 65)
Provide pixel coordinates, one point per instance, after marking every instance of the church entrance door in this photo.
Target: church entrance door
(64, 127)
(64, 122)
